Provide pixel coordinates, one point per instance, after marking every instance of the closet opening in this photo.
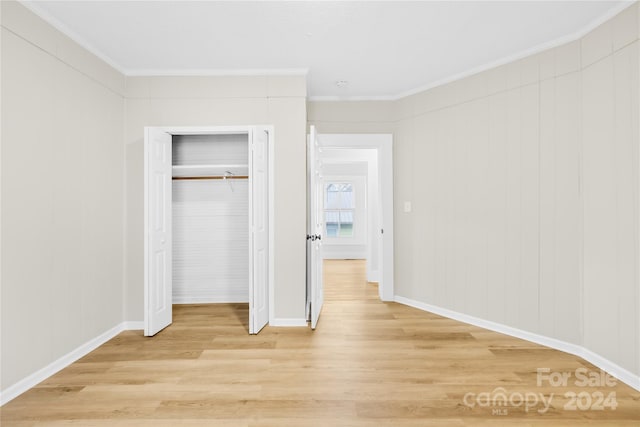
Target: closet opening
(208, 215)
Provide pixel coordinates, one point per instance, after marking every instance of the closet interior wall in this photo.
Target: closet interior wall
(210, 218)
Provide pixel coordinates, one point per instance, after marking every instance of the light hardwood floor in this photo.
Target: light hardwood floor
(368, 364)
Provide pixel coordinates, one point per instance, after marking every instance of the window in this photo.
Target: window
(339, 206)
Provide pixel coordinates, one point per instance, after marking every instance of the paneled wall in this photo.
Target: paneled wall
(62, 195)
(524, 184)
(610, 191)
(225, 101)
(475, 223)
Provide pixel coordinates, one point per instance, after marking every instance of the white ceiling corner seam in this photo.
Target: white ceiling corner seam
(55, 23)
(58, 25)
(560, 41)
(218, 72)
(523, 54)
(47, 17)
(333, 98)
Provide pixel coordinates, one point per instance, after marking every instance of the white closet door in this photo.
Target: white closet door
(157, 245)
(259, 226)
(315, 229)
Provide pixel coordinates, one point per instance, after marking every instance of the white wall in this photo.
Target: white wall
(525, 186)
(213, 101)
(62, 195)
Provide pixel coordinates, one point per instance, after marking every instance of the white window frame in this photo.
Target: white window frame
(351, 209)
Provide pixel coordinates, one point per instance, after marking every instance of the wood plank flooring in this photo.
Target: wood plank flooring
(368, 364)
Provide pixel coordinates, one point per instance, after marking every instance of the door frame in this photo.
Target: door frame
(219, 130)
(383, 143)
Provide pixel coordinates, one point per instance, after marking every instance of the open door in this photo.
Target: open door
(157, 226)
(315, 229)
(259, 227)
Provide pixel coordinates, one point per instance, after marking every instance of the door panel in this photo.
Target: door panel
(259, 223)
(158, 258)
(315, 230)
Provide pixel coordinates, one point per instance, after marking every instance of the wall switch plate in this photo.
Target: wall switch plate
(407, 207)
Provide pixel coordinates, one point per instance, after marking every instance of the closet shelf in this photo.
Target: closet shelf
(210, 171)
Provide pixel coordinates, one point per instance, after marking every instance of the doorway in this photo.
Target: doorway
(376, 150)
(380, 235)
(208, 220)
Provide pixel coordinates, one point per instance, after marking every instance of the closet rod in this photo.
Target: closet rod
(212, 177)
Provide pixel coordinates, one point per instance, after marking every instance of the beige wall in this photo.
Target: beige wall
(211, 101)
(72, 201)
(524, 182)
(491, 165)
(524, 185)
(62, 195)
(352, 116)
(610, 139)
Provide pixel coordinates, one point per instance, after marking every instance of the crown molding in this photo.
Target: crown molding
(217, 72)
(58, 25)
(521, 55)
(352, 98)
(304, 71)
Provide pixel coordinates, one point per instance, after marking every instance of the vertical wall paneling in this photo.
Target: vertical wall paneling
(537, 162)
(625, 69)
(525, 188)
(497, 185)
(476, 206)
(530, 193)
(62, 217)
(548, 253)
(423, 203)
(514, 206)
(441, 207)
(599, 201)
(565, 310)
(403, 191)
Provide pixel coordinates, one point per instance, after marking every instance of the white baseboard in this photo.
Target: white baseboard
(133, 325)
(214, 296)
(337, 254)
(606, 365)
(373, 276)
(37, 377)
(287, 322)
(208, 300)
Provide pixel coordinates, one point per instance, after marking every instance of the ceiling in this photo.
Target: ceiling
(382, 49)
